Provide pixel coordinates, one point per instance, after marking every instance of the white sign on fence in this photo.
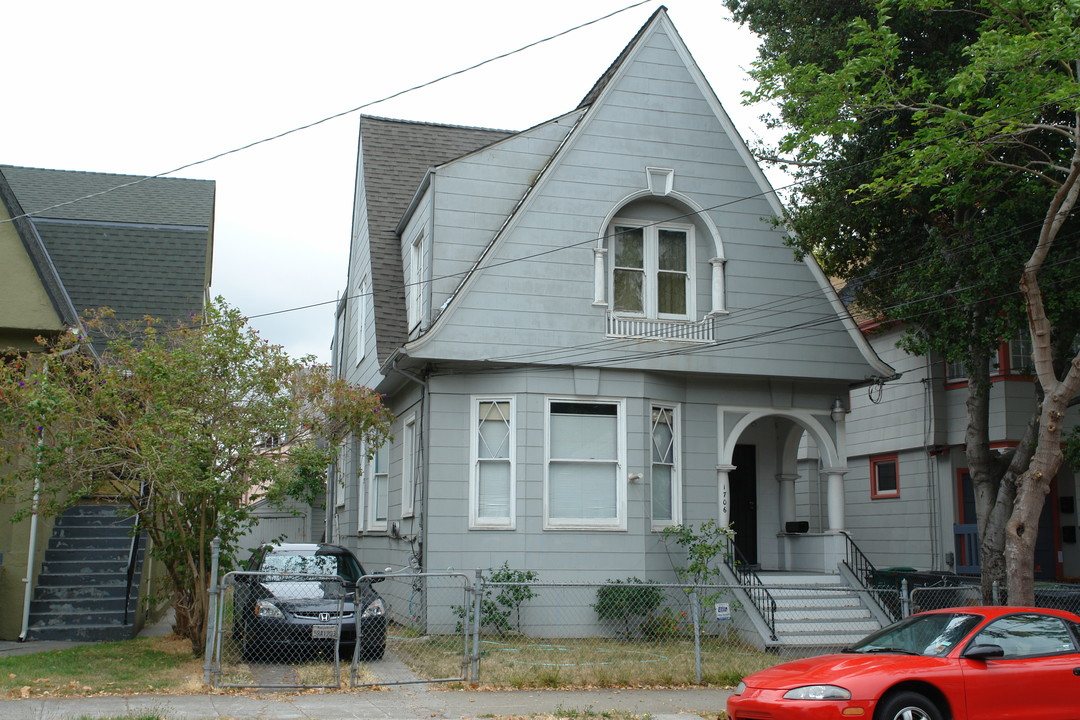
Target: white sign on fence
(723, 611)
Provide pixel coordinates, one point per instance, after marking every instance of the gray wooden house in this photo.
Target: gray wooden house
(588, 331)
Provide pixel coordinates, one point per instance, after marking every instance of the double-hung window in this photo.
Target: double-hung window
(652, 270)
(586, 485)
(378, 488)
(665, 479)
(492, 491)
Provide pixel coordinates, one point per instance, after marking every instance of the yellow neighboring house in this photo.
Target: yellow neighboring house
(72, 241)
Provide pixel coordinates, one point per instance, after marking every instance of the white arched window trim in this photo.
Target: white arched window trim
(602, 271)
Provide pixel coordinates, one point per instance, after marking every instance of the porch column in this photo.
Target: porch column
(836, 499)
(787, 498)
(723, 486)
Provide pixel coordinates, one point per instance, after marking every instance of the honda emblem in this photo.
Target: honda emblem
(324, 617)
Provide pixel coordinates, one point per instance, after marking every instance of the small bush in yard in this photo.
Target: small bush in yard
(622, 601)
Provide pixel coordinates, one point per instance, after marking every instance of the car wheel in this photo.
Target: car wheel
(907, 706)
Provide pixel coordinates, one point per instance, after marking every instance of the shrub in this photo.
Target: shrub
(622, 601)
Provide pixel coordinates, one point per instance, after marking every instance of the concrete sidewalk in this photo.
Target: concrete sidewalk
(400, 702)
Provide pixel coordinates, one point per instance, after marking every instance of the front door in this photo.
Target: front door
(743, 483)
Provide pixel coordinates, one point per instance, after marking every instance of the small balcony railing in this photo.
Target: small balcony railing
(649, 329)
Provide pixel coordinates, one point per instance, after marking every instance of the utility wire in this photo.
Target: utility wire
(328, 118)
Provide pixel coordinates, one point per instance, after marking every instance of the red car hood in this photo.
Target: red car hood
(848, 670)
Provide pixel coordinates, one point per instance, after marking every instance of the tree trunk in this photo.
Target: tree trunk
(1033, 486)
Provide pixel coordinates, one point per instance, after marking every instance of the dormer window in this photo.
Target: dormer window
(652, 270)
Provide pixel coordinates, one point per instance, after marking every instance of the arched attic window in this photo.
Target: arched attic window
(659, 269)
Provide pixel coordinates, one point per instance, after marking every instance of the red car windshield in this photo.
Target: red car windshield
(933, 635)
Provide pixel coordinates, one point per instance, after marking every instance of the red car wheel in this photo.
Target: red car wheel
(907, 706)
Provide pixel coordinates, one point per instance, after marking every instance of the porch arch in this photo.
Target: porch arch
(828, 436)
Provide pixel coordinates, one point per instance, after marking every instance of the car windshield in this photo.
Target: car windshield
(343, 565)
(934, 635)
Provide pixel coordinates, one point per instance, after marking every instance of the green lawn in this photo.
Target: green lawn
(143, 665)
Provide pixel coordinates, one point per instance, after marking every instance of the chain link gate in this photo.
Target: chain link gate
(281, 631)
(429, 634)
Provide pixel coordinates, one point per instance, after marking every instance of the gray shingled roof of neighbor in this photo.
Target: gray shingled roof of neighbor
(396, 154)
(143, 249)
(154, 201)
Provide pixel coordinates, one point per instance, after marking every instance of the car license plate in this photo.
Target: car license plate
(319, 632)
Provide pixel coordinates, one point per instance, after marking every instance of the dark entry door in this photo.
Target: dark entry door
(743, 482)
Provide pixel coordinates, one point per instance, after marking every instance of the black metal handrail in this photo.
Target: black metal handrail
(864, 572)
(752, 585)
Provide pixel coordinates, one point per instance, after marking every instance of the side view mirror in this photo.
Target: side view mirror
(984, 652)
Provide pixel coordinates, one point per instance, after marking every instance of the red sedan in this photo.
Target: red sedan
(970, 663)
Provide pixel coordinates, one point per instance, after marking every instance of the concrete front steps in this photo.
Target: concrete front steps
(815, 610)
(82, 591)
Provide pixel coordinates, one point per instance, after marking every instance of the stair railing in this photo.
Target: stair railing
(864, 571)
(752, 585)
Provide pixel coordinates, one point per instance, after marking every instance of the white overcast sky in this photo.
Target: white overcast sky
(143, 87)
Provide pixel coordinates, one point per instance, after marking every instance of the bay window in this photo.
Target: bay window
(665, 478)
(585, 465)
(492, 491)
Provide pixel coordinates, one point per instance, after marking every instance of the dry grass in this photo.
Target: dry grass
(593, 662)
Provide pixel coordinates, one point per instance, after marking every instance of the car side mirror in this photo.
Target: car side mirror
(984, 651)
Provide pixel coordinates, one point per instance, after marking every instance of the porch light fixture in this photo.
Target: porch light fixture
(837, 413)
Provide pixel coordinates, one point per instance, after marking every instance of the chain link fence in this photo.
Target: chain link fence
(457, 627)
(426, 631)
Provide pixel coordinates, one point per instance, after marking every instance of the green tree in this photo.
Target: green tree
(938, 148)
(173, 422)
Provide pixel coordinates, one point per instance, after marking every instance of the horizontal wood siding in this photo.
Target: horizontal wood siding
(534, 301)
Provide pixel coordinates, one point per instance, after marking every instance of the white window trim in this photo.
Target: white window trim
(475, 521)
(361, 324)
(619, 521)
(415, 291)
(373, 523)
(676, 471)
(651, 259)
(408, 466)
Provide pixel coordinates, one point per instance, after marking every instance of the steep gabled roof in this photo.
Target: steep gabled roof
(604, 79)
(142, 249)
(396, 155)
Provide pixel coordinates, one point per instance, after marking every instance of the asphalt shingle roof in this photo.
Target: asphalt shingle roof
(156, 201)
(396, 155)
(142, 250)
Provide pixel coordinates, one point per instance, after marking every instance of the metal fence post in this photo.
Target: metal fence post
(695, 617)
(212, 610)
(905, 598)
(478, 595)
(995, 593)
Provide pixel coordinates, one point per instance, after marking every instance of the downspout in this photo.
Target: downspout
(425, 446)
(31, 552)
